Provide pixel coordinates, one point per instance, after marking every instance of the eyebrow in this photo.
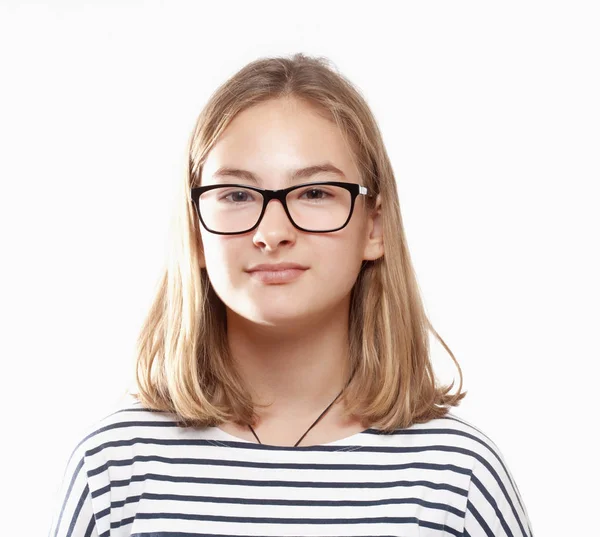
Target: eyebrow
(301, 173)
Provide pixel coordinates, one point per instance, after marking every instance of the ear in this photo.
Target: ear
(374, 230)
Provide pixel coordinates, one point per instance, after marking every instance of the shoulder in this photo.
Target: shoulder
(449, 440)
(450, 434)
(473, 441)
(494, 503)
(122, 426)
(463, 435)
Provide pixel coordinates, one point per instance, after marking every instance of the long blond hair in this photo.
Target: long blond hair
(183, 363)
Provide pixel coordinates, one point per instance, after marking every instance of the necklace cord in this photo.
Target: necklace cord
(317, 420)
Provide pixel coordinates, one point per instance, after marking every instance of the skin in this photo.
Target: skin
(290, 341)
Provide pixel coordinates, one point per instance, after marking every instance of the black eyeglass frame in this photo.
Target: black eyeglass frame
(280, 194)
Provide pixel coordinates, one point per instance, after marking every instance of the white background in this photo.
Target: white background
(490, 114)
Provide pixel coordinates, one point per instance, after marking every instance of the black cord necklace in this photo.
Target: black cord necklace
(316, 421)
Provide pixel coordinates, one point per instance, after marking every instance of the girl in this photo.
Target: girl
(284, 379)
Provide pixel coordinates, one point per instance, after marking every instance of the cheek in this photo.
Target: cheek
(338, 264)
(222, 259)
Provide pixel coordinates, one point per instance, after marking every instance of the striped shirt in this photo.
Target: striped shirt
(137, 473)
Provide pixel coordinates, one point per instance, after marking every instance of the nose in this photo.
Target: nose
(274, 228)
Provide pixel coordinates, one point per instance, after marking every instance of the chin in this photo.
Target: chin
(276, 318)
(280, 318)
(285, 310)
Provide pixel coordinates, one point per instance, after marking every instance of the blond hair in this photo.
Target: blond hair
(183, 363)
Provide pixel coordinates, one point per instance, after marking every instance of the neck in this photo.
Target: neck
(298, 371)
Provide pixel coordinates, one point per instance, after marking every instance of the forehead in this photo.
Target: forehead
(273, 139)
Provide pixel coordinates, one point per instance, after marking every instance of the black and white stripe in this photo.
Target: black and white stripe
(138, 474)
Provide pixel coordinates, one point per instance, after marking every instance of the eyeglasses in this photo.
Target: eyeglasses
(231, 209)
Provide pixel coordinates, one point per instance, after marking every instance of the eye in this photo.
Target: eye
(236, 196)
(320, 194)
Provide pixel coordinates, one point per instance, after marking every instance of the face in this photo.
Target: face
(271, 140)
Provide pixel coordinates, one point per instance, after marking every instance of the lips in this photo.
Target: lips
(272, 267)
(277, 276)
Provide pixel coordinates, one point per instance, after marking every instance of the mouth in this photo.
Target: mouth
(277, 276)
